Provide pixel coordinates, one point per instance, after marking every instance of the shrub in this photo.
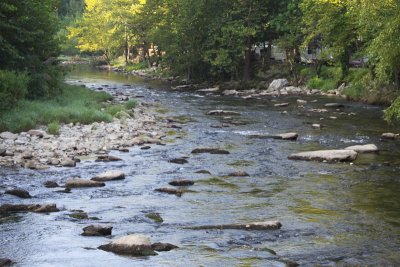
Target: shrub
(45, 83)
(130, 104)
(13, 87)
(53, 128)
(315, 83)
(392, 114)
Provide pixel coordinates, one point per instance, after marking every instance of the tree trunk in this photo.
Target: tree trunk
(126, 48)
(247, 61)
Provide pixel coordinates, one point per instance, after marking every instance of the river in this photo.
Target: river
(331, 214)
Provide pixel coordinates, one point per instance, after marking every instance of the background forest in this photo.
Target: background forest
(354, 42)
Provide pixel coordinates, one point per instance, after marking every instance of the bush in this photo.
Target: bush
(392, 114)
(53, 128)
(315, 83)
(13, 87)
(130, 104)
(45, 83)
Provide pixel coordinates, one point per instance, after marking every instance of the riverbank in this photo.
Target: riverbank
(91, 124)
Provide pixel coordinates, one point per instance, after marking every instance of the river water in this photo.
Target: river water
(332, 214)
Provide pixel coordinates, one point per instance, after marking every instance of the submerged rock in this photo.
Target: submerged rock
(203, 172)
(209, 90)
(333, 105)
(18, 192)
(181, 183)
(107, 158)
(109, 176)
(97, 230)
(132, 245)
(369, 148)
(178, 161)
(80, 183)
(47, 208)
(68, 163)
(239, 174)
(51, 184)
(281, 105)
(163, 246)
(5, 262)
(223, 113)
(267, 225)
(326, 155)
(209, 150)
(171, 191)
(156, 217)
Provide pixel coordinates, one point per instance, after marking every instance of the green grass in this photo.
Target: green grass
(53, 128)
(75, 104)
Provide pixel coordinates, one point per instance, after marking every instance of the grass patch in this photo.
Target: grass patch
(75, 104)
(53, 128)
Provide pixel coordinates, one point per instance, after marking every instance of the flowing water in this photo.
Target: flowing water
(332, 214)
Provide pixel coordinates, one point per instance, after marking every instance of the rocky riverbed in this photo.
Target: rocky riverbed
(201, 188)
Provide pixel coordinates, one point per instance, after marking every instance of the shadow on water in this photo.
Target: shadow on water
(331, 213)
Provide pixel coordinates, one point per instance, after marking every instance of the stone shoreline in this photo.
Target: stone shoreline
(36, 149)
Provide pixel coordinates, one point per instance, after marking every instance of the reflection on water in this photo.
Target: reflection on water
(331, 213)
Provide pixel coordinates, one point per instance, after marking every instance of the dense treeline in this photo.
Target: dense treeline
(215, 39)
(204, 39)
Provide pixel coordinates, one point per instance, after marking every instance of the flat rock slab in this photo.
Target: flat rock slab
(267, 225)
(109, 176)
(286, 136)
(29, 207)
(281, 105)
(326, 155)
(37, 133)
(97, 230)
(181, 182)
(18, 192)
(221, 112)
(209, 150)
(8, 135)
(370, 148)
(132, 245)
(171, 191)
(81, 183)
(209, 90)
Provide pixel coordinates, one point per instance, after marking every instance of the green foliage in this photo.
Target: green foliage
(74, 104)
(130, 104)
(392, 114)
(53, 128)
(13, 88)
(328, 79)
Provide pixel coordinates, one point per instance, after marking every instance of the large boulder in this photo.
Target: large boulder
(81, 183)
(326, 155)
(278, 84)
(390, 136)
(370, 148)
(132, 245)
(109, 176)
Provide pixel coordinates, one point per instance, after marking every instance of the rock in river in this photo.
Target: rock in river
(178, 161)
(286, 136)
(29, 207)
(107, 158)
(267, 225)
(5, 262)
(171, 191)
(181, 182)
(223, 113)
(51, 184)
(80, 183)
(109, 176)
(209, 150)
(239, 174)
(326, 155)
(132, 245)
(18, 192)
(97, 230)
(390, 136)
(163, 246)
(370, 148)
